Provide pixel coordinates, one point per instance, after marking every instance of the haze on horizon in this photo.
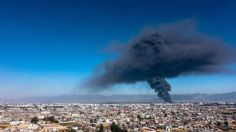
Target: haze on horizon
(48, 47)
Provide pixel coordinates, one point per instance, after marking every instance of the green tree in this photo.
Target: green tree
(139, 117)
(34, 120)
(51, 119)
(165, 115)
(116, 128)
(101, 129)
(71, 130)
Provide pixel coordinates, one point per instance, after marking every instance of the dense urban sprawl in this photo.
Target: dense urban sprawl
(153, 117)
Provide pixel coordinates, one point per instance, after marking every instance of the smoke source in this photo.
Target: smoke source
(166, 52)
(161, 86)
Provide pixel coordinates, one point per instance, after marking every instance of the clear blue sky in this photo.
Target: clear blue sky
(48, 46)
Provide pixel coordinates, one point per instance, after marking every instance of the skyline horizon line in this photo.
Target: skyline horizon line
(107, 95)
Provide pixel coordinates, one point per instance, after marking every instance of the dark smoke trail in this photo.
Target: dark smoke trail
(161, 86)
(167, 52)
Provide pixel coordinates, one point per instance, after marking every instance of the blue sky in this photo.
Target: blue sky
(47, 47)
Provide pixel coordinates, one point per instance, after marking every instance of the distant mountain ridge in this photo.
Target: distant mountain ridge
(198, 97)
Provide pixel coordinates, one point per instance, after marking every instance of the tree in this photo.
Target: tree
(139, 117)
(165, 115)
(113, 126)
(218, 124)
(101, 129)
(51, 119)
(91, 120)
(226, 125)
(71, 130)
(34, 120)
(116, 128)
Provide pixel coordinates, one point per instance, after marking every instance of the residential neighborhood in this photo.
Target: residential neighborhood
(142, 117)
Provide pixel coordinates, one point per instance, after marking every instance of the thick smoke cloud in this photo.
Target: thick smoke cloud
(166, 52)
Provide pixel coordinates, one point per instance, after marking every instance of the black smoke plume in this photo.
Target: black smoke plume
(166, 52)
(160, 86)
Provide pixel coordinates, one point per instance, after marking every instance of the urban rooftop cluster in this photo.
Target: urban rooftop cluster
(153, 117)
